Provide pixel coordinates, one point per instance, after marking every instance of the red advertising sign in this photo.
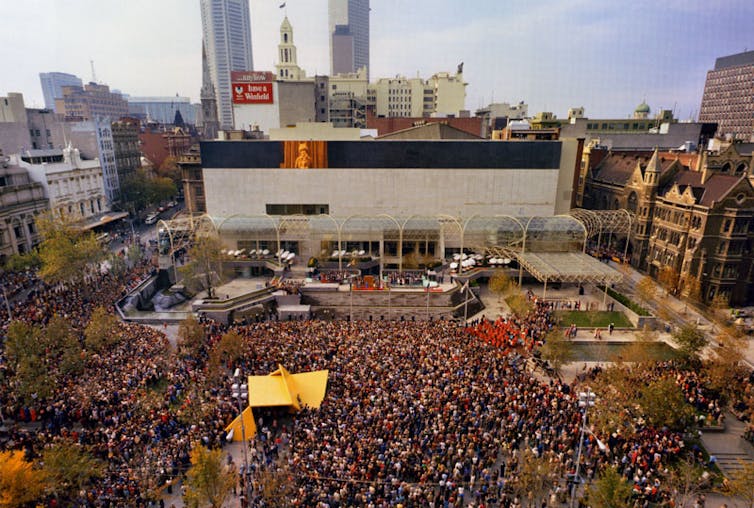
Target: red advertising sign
(252, 93)
(251, 76)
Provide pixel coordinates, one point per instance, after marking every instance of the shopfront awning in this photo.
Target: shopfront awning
(101, 220)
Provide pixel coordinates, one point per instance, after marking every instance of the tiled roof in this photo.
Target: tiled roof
(617, 168)
(713, 190)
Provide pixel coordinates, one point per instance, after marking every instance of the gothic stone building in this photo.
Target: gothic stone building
(693, 214)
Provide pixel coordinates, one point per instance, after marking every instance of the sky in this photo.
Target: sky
(607, 56)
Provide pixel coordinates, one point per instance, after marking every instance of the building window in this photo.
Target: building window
(18, 231)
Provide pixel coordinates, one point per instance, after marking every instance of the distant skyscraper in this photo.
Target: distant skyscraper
(349, 35)
(53, 83)
(727, 95)
(226, 29)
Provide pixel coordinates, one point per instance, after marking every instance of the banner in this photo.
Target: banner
(252, 93)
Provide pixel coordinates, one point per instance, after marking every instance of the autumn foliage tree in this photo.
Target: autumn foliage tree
(67, 253)
(209, 481)
(100, 332)
(191, 336)
(20, 484)
(225, 353)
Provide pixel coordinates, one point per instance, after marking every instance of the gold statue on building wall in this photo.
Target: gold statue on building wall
(304, 154)
(303, 161)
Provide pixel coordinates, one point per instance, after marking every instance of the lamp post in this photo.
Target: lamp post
(586, 400)
(241, 393)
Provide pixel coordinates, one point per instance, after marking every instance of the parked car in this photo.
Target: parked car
(152, 218)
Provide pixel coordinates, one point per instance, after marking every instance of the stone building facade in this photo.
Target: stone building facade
(693, 217)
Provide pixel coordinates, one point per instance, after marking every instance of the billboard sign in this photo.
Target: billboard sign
(252, 87)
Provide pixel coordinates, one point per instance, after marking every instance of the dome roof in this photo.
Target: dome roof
(642, 108)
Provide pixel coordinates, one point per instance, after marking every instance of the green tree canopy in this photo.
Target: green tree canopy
(101, 330)
(191, 336)
(68, 468)
(690, 339)
(204, 270)
(610, 490)
(139, 191)
(209, 481)
(557, 350)
(68, 253)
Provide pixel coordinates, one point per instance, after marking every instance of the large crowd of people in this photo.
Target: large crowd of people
(416, 414)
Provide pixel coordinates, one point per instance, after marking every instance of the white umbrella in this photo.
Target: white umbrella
(265, 252)
(453, 265)
(362, 252)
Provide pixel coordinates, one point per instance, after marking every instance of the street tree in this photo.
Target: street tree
(692, 288)
(276, 486)
(501, 284)
(25, 261)
(534, 478)
(610, 490)
(669, 278)
(23, 340)
(225, 353)
(741, 484)
(518, 304)
(26, 350)
(100, 331)
(690, 339)
(557, 350)
(20, 484)
(191, 336)
(170, 169)
(686, 481)
(663, 405)
(646, 289)
(139, 191)
(204, 270)
(68, 253)
(209, 481)
(63, 345)
(69, 468)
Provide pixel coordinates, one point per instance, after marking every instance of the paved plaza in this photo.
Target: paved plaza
(726, 445)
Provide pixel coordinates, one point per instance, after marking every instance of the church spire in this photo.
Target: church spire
(653, 169)
(287, 68)
(210, 124)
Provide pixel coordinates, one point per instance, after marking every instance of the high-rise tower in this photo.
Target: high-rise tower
(349, 35)
(226, 29)
(53, 83)
(727, 96)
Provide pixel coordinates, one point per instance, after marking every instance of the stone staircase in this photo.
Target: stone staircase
(732, 462)
(729, 447)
